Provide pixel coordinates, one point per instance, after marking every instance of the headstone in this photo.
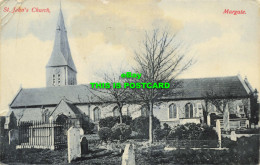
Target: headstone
(84, 145)
(128, 157)
(13, 136)
(208, 120)
(253, 125)
(247, 123)
(74, 147)
(226, 119)
(233, 136)
(218, 130)
(81, 132)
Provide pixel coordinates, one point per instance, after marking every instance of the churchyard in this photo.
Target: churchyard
(184, 144)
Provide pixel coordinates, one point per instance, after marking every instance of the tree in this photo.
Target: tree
(112, 95)
(220, 99)
(160, 60)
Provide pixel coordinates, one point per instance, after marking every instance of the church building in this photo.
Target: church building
(64, 98)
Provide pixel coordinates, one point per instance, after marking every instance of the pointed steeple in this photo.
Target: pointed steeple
(61, 55)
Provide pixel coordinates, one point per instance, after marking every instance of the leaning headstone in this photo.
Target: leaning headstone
(74, 147)
(218, 130)
(226, 119)
(84, 145)
(128, 157)
(13, 136)
(208, 120)
(233, 136)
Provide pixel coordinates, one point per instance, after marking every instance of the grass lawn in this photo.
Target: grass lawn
(244, 151)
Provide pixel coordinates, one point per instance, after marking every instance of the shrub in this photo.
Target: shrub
(87, 126)
(192, 131)
(105, 134)
(112, 120)
(160, 134)
(141, 126)
(121, 130)
(208, 133)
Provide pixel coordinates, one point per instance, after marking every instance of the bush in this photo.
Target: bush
(208, 133)
(105, 134)
(112, 120)
(121, 130)
(160, 134)
(192, 131)
(87, 126)
(141, 126)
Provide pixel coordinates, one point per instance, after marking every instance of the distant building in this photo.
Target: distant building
(63, 99)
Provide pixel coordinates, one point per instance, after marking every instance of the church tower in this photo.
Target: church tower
(60, 69)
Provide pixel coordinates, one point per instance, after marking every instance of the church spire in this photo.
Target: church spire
(61, 55)
(60, 69)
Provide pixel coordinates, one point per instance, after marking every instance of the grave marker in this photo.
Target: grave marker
(233, 136)
(128, 157)
(74, 147)
(218, 130)
(13, 136)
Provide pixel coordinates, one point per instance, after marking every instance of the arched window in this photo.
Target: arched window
(116, 111)
(96, 112)
(189, 110)
(172, 111)
(144, 111)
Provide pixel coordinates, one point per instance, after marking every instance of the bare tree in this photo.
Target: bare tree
(219, 98)
(161, 61)
(115, 94)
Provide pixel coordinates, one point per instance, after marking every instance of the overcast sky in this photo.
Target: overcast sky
(104, 34)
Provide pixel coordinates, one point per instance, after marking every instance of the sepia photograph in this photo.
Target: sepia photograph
(120, 82)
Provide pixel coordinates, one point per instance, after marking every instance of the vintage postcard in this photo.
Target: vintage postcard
(129, 82)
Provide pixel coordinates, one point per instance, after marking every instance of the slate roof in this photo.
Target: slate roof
(221, 86)
(191, 89)
(61, 55)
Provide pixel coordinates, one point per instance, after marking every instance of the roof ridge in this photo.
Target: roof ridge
(206, 77)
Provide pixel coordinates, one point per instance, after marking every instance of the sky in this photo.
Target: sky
(104, 34)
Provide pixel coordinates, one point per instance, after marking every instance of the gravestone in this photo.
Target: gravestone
(13, 136)
(226, 119)
(84, 145)
(128, 157)
(208, 120)
(247, 123)
(233, 136)
(81, 131)
(74, 147)
(218, 130)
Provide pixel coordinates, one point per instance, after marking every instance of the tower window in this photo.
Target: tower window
(53, 80)
(58, 79)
